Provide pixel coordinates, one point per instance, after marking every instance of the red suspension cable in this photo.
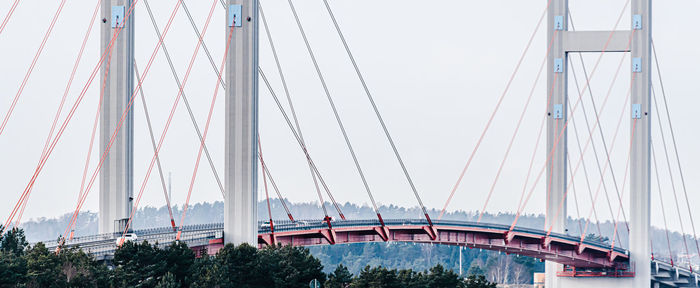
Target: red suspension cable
(67, 120)
(62, 103)
(128, 107)
(606, 166)
(206, 126)
(8, 15)
(517, 128)
(624, 181)
(277, 191)
(31, 66)
(573, 189)
(267, 195)
(493, 114)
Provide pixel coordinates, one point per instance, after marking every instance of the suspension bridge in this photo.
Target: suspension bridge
(571, 260)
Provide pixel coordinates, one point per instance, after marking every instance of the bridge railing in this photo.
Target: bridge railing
(167, 234)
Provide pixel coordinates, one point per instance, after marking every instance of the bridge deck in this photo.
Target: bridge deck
(559, 248)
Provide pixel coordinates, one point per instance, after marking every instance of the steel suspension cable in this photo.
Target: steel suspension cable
(601, 172)
(277, 191)
(153, 143)
(573, 189)
(585, 171)
(301, 144)
(624, 181)
(675, 145)
(204, 45)
(661, 200)
(267, 195)
(374, 107)
(206, 128)
(670, 171)
(170, 116)
(127, 109)
(70, 115)
(291, 105)
(595, 154)
(517, 128)
(31, 66)
(211, 61)
(63, 100)
(179, 85)
(600, 130)
(617, 128)
(8, 15)
(493, 114)
(335, 110)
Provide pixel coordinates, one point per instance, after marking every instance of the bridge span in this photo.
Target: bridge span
(589, 259)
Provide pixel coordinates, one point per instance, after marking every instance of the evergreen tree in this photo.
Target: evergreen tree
(13, 270)
(378, 277)
(439, 277)
(13, 266)
(240, 267)
(43, 268)
(13, 241)
(179, 260)
(478, 281)
(81, 270)
(138, 265)
(411, 279)
(168, 281)
(291, 266)
(340, 278)
(206, 273)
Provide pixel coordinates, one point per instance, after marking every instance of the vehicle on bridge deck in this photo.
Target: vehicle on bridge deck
(127, 237)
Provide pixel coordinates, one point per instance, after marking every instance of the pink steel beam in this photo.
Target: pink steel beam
(560, 250)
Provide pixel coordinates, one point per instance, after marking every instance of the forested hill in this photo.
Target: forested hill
(47, 229)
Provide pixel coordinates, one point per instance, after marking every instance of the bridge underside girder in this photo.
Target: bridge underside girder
(562, 251)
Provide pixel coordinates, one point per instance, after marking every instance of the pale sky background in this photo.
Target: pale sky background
(436, 69)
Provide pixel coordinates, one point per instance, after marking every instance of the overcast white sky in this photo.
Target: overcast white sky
(436, 69)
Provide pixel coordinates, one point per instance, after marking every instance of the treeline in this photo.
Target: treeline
(147, 265)
(419, 257)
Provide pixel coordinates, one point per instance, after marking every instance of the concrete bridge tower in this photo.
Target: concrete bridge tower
(117, 74)
(241, 116)
(636, 41)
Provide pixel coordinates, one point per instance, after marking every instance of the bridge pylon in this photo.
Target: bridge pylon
(241, 116)
(117, 74)
(637, 41)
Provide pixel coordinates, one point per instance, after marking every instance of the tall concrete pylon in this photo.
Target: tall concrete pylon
(116, 176)
(241, 116)
(564, 42)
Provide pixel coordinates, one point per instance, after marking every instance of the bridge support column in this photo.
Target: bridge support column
(557, 72)
(640, 166)
(116, 176)
(241, 116)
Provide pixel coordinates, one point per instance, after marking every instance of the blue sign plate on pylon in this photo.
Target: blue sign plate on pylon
(117, 16)
(636, 111)
(234, 15)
